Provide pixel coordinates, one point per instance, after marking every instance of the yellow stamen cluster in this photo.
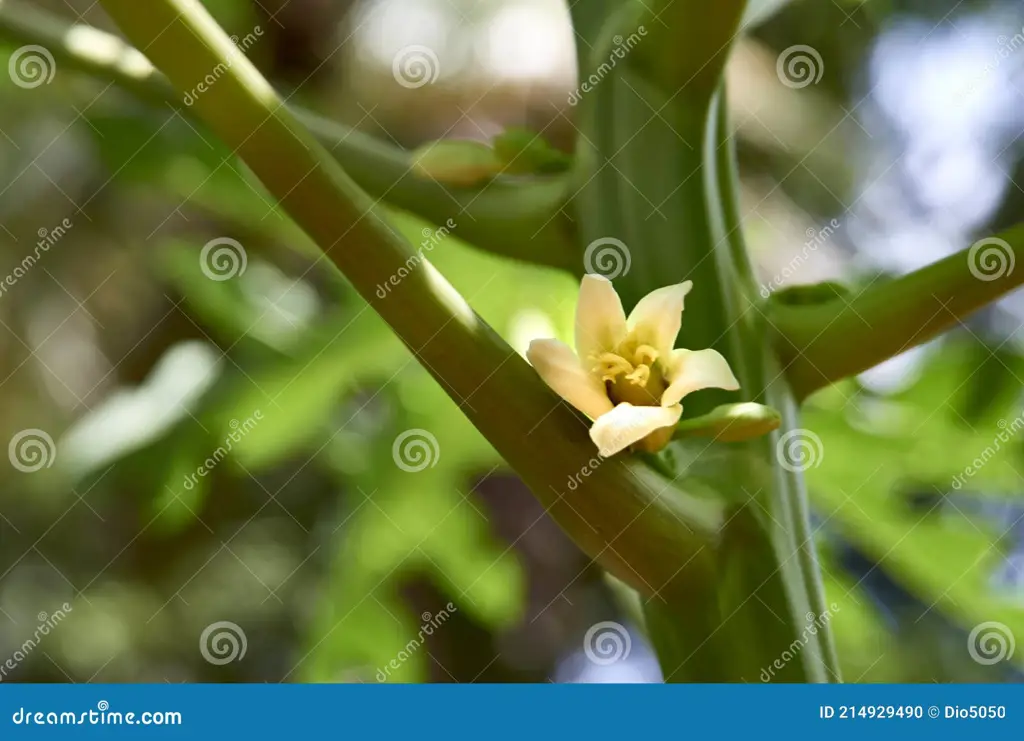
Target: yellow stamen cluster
(635, 363)
(609, 365)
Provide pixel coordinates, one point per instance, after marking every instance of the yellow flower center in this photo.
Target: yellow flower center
(630, 374)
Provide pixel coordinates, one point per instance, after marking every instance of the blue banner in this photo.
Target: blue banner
(472, 712)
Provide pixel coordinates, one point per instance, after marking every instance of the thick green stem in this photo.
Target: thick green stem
(655, 145)
(514, 219)
(795, 551)
(618, 511)
(824, 343)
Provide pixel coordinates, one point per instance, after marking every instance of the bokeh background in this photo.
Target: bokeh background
(891, 140)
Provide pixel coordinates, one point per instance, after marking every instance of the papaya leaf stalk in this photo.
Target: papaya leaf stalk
(514, 219)
(625, 516)
(826, 342)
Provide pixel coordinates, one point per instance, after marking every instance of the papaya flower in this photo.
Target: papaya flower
(625, 374)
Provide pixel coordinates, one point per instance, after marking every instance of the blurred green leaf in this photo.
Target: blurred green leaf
(864, 455)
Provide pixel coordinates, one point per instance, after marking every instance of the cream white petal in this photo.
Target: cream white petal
(600, 320)
(560, 369)
(656, 318)
(627, 424)
(693, 370)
